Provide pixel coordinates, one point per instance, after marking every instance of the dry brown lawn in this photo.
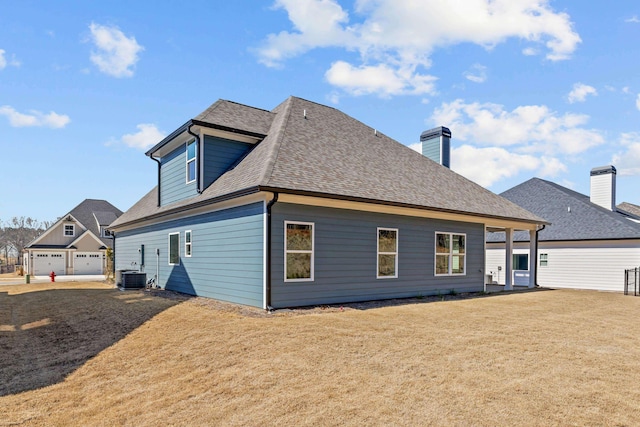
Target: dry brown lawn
(86, 354)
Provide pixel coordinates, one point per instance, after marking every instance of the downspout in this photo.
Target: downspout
(158, 162)
(113, 254)
(535, 278)
(198, 159)
(268, 284)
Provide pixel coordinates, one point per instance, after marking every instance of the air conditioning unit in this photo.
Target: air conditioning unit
(119, 274)
(133, 280)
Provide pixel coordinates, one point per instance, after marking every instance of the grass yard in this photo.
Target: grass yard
(86, 354)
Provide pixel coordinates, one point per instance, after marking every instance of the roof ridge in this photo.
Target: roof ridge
(323, 105)
(279, 137)
(586, 201)
(245, 105)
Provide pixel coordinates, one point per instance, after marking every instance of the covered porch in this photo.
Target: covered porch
(500, 271)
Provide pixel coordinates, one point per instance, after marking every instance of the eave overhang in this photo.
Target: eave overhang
(181, 136)
(347, 202)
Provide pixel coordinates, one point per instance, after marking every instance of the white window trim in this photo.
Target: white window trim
(188, 244)
(73, 230)
(195, 158)
(451, 254)
(169, 248)
(312, 251)
(378, 253)
(546, 260)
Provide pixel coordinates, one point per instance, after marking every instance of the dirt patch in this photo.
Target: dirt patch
(49, 330)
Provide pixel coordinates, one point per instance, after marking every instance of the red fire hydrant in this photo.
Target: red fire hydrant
(53, 276)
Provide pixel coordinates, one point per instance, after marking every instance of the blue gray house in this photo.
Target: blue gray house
(304, 205)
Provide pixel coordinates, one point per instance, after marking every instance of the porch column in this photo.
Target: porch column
(508, 262)
(533, 258)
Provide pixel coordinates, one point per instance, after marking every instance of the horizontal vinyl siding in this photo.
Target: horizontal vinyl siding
(496, 258)
(584, 265)
(219, 155)
(345, 257)
(431, 149)
(227, 254)
(173, 177)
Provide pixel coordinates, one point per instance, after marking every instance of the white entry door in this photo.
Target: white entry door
(87, 263)
(46, 262)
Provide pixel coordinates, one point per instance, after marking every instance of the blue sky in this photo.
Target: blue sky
(528, 88)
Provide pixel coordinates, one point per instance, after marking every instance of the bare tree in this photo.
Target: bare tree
(20, 231)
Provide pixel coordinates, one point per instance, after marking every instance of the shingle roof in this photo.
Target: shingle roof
(630, 208)
(572, 215)
(105, 218)
(90, 209)
(328, 153)
(233, 115)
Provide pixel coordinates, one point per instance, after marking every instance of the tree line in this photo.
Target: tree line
(17, 233)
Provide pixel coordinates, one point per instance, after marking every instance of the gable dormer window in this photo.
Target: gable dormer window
(191, 161)
(69, 230)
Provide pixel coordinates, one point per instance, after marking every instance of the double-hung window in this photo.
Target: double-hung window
(450, 254)
(174, 248)
(544, 260)
(69, 230)
(387, 253)
(191, 161)
(298, 251)
(187, 243)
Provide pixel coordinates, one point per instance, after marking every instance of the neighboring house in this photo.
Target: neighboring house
(304, 205)
(633, 211)
(589, 243)
(76, 244)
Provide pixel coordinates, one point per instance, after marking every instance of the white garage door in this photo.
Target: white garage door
(87, 263)
(46, 262)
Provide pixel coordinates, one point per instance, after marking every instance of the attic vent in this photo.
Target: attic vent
(304, 112)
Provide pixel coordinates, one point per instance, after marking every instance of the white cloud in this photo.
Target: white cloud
(634, 19)
(627, 162)
(147, 136)
(116, 54)
(477, 73)
(580, 91)
(528, 128)
(486, 166)
(416, 146)
(638, 102)
(34, 118)
(4, 62)
(551, 167)
(626, 90)
(397, 37)
(318, 24)
(380, 79)
(530, 51)
(333, 97)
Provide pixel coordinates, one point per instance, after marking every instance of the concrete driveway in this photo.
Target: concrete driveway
(17, 280)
